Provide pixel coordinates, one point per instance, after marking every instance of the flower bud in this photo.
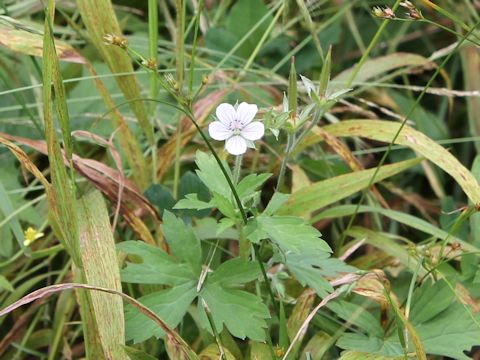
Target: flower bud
(150, 63)
(115, 40)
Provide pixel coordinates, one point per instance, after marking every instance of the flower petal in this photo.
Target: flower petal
(253, 131)
(226, 113)
(219, 131)
(236, 145)
(246, 112)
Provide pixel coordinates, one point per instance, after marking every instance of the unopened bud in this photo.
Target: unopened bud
(407, 5)
(415, 14)
(150, 63)
(171, 81)
(205, 80)
(385, 13)
(115, 40)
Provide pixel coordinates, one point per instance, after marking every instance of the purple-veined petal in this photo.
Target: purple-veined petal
(219, 131)
(246, 112)
(253, 131)
(226, 114)
(236, 145)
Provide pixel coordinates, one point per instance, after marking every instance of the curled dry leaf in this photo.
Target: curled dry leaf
(133, 205)
(31, 42)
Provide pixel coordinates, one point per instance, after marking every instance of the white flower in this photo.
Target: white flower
(236, 127)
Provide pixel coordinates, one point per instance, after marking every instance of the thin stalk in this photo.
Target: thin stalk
(283, 167)
(218, 340)
(178, 150)
(397, 134)
(370, 47)
(237, 169)
(153, 79)
(194, 48)
(180, 63)
(410, 295)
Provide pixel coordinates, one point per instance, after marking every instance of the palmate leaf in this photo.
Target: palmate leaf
(242, 313)
(170, 304)
(292, 234)
(445, 326)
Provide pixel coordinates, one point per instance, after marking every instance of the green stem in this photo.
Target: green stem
(283, 167)
(178, 150)
(237, 169)
(194, 47)
(218, 340)
(179, 44)
(153, 41)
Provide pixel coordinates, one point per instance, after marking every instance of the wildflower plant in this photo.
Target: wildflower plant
(225, 234)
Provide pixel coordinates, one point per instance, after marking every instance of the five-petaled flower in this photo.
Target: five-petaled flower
(235, 125)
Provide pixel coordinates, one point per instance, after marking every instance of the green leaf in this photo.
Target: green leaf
(170, 305)
(5, 284)
(329, 191)
(223, 204)
(275, 203)
(424, 308)
(234, 272)
(182, 241)
(157, 267)
(191, 201)
(161, 197)
(445, 332)
(242, 313)
(292, 233)
(211, 175)
(312, 268)
(191, 185)
(448, 329)
(249, 184)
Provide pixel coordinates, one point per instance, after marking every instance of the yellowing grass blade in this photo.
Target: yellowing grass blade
(100, 19)
(385, 130)
(100, 268)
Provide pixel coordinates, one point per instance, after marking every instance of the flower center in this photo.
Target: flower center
(236, 126)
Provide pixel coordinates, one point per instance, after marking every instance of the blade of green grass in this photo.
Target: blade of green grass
(329, 191)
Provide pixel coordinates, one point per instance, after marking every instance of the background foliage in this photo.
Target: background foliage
(350, 232)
